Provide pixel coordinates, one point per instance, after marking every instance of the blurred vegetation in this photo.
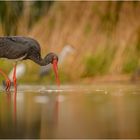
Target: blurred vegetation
(105, 35)
(99, 63)
(130, 65)
(110, 18)
(10, 13)
(37, 10)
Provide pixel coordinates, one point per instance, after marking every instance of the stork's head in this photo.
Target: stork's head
(53, 59)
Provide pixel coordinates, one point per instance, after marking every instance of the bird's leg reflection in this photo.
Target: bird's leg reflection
(15, 105)
(8, 94)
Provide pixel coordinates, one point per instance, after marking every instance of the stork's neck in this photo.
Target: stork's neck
(40, 61)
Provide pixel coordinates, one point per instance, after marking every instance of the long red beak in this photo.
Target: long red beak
(55, 68)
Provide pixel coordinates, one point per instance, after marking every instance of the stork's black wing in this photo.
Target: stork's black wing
(17, 47)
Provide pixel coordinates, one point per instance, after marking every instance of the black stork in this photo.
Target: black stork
(22, 48)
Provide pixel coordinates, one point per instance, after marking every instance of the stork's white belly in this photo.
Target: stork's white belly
(17, 59)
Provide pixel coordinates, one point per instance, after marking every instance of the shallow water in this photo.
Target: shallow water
(82, 111)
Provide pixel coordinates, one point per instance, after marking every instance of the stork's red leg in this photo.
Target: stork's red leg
(8, 82)
(14, 78)
(15, 90)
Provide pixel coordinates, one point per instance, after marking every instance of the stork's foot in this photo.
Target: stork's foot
(8, 85)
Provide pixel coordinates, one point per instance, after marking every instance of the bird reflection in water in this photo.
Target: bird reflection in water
(29, 115)
(8, 115)
(14, 105)
(49, 114)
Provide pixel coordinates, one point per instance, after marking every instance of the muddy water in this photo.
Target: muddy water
(95, 111)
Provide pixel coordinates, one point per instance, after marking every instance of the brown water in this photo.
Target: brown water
(99, 111)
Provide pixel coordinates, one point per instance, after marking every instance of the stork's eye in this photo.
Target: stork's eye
(55, 58)
(50, 59)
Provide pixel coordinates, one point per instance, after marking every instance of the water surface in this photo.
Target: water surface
(82, 111)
